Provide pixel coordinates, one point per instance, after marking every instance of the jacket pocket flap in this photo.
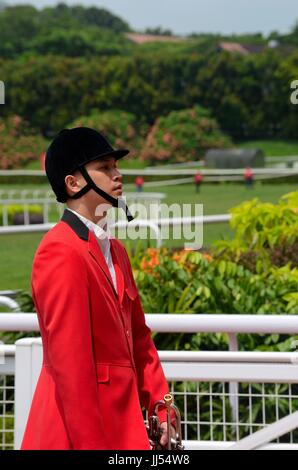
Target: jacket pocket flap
(103, 372)
(131, 292)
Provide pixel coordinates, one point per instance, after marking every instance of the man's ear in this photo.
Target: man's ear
(72, 184)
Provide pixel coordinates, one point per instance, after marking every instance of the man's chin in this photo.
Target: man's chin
(118, 192)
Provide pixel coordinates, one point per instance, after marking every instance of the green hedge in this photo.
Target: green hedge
(15, 209)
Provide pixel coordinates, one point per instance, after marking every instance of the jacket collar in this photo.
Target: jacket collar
(76, 224)
(94, 249)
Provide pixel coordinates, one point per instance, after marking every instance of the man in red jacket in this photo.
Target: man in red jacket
(99, 361)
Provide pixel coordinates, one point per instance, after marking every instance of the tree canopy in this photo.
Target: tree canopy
(61, 62)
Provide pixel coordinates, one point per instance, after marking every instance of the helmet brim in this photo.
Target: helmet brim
(117, 154)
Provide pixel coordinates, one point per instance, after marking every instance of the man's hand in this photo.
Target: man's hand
(164, 429)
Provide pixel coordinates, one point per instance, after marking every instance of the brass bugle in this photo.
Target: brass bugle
(154, 430)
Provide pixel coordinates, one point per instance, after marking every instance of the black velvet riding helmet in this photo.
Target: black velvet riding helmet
(70, 150)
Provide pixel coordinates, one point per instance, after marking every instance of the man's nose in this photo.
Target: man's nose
(117, 176)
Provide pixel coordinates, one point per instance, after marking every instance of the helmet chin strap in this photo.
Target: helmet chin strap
(116, 202)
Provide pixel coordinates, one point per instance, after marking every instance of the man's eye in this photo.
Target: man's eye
(107, 167)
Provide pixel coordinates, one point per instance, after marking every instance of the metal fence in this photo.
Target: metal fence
(7, 396)
(224, 396)
(6, 412)
(207, 413)
(45, 201)
(160, 227)
(44, 205)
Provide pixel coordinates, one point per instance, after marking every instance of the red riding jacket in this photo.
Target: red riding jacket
(99, 361)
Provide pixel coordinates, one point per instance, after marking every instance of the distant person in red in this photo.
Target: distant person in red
(248, 177)
(42, 160)
(139, 182)
(198, 181)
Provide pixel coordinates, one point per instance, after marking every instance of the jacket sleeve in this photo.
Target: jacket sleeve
(152, 383)
(61, 297)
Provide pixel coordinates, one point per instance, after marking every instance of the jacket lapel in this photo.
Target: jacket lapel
(93, 247)
(118, 272)
(96, 253)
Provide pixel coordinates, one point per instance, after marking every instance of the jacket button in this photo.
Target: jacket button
(127, 332)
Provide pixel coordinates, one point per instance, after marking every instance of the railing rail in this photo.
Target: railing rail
(183, 323)
(218, 367)
(178, 366)
(170, 172)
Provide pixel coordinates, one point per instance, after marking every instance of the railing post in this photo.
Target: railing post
(268, 434)
(45, 213)
(28, 360)
(233, 388)
(5, 215)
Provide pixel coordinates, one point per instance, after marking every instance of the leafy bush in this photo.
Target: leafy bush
(191, 282)
(251, 274)
(182, 136)
(85, 42)
(265, 234)
(248, 95)
(23, 26)
(18, 143)
(118, 126)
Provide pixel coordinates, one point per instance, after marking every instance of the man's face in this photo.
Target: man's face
(105, 174)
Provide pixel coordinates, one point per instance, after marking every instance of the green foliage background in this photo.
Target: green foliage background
(60, 63)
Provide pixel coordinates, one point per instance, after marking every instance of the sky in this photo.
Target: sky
(187, 16)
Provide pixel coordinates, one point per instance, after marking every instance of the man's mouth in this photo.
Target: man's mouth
(118, 188)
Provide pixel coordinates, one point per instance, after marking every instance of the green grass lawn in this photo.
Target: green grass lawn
(219, 198)
(273, 148)
(17, 251)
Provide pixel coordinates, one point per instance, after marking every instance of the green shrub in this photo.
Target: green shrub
(14, 209)
(191, 282)
(265, 234)
(18, 143)
(120, 128)
(183, 136)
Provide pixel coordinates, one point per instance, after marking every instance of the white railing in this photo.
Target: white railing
(207, 375)
(268, 434)
(156, 225)
(37, 228)
(209, 175)
(232, 324)
(171, 172)
(39, 194)
(183, 323)
(28, 228)
(9, 303)
(46, 200)
(36, 194)
(25, 203)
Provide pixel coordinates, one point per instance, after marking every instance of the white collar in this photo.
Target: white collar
(99, 229)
